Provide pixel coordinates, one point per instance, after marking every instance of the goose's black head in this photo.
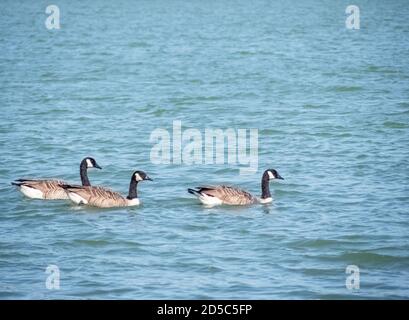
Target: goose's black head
(272, 174)
(91, 163)
(140, 176)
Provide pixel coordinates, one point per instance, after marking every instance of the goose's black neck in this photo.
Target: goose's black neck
(84, 174)
(265, 186)
(133, 193)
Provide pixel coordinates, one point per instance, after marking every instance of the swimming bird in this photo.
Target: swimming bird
(222, 194)
(105, 198)
(52, 189)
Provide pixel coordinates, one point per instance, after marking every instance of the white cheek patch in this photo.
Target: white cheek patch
(89, 163)
(138, 177)
(270, 175)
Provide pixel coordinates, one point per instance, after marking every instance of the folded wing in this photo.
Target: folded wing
(95, 196)
(227, 194)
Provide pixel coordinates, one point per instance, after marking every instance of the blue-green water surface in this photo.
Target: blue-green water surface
(331, 106)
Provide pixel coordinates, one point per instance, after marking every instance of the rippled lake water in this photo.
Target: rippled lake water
(331, 106)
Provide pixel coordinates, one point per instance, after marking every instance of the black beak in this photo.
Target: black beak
(279, 177)
(97, 166)
(147, 178)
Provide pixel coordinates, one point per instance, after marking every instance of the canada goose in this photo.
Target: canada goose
(52, 189)
(217, 195)
(105, 198)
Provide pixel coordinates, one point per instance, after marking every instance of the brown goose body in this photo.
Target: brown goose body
(106, 198)
(222, 194)
(52, 189)
(95, 196)
(226, 195)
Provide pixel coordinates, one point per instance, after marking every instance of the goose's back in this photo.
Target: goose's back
(100, 196)
(229, 195)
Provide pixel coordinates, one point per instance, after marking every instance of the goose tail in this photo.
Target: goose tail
(194, 192)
